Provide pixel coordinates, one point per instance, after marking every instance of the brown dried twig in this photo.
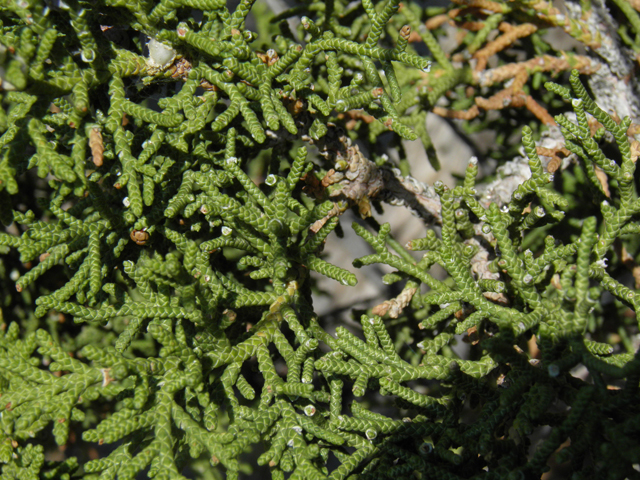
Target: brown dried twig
(96, 146)
(543, 63)
(502, 42)
(514, 95)
(483, 4)
(577, 28)
(469, 114)
(395, 306)
(554, 155)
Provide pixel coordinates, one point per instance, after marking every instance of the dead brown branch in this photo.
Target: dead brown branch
(96, 146)
(544, 63)
(502, 42)
(395, 306)
(483, 4)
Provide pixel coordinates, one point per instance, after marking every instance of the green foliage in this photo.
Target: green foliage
(164, 197)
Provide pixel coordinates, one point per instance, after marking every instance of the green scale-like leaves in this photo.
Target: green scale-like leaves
(553, 313)
(166, 183)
